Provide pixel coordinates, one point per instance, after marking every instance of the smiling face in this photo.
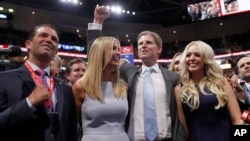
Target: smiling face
(76, 72)
(194, 61)
(114, 62)
(43, 46)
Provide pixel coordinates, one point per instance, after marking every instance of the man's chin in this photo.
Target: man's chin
(47, 55)
(145, 58)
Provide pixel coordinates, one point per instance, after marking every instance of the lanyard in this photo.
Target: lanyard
(38, 81)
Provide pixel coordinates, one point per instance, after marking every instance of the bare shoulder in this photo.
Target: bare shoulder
(78, 88)
(177, 90)
(177, 87)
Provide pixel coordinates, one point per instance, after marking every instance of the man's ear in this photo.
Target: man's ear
(67, 76)
(27, 44)
(159, 50)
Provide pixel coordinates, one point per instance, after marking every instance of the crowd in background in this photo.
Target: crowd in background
(221, 45)
(114, 100)
(17, 38)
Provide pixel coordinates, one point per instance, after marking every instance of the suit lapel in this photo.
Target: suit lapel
(60, 97)
(132, 81)
(167, 85)
(27, 87)
(247, 92)
(28, 83)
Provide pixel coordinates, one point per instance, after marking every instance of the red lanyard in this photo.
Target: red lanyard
(37, 81)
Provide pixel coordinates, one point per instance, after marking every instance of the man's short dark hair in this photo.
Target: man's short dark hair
(72, 62)
(236, 69)
(34, 30)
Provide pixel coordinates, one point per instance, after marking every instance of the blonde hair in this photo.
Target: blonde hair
(98, 58)
(171, 66)
(213, 80)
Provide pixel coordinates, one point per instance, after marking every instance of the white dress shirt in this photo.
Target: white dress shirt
(161, 106)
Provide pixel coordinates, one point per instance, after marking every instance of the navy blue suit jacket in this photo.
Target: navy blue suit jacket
(19, 122)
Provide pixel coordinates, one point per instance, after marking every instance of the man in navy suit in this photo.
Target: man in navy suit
(149, 49)
(242, 88)
(30, 111)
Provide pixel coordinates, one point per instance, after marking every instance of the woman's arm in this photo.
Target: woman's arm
(79, 95)
(232, 105)
(179, 108)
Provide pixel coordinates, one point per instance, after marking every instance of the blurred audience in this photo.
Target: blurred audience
(175, 64)
(75, 69)
(226, 44)
(56, 65)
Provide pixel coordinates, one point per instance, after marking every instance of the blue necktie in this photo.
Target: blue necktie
(150, 123)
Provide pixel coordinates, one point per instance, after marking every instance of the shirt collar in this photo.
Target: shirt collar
(35, 67)
(248, 85)
(155, 67)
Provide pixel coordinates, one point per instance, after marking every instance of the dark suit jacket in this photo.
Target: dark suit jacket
(130, 74)
(244, 105)
(19, 122)
(91, 36)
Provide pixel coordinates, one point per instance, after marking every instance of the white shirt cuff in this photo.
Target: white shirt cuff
(30, 105)
(94, 26)
(242, 100)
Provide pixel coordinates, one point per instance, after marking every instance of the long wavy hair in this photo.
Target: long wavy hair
(213, 79)
(99, 57)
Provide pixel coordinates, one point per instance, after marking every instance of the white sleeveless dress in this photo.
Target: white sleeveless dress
(104, 121)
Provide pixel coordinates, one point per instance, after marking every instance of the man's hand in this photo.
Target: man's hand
(101, 13)
(123, 61)
(239, 89)
(39, 95)
(235, 84)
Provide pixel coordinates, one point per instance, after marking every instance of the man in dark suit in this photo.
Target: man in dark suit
(30, 110)
(168, 124)
(149, 49)
(242, 85)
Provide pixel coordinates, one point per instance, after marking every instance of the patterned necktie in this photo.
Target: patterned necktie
(247, 94)
(42, 76)
(150, 123)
